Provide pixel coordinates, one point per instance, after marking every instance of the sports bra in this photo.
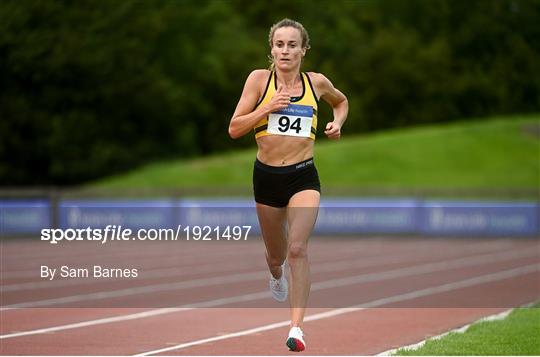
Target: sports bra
(298, 119)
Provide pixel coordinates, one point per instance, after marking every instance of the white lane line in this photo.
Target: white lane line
(462, 329)
(114, 250)
(243, 277)
(186, 256)
(146, 275)
(102, 321)
(190, 270)
(212, 303)
(478, 247)
(186, 261)
(184, 269)
(147, 289)
(506, 274)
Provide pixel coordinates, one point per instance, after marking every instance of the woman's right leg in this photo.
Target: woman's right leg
(273, 222)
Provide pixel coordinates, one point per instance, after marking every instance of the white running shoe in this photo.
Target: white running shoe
(295, 341)
(279, 287)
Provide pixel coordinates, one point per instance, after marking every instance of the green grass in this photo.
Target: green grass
(517, 334)
(494, 153)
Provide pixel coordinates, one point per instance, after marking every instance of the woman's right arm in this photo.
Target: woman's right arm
(245, 118)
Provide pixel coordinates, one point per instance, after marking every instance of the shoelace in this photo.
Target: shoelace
(276, 283)
(299, 331)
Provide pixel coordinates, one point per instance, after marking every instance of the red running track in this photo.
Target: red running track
(368, 296)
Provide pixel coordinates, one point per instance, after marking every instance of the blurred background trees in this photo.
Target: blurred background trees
(91, 88)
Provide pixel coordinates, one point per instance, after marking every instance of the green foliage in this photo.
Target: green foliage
(91, 88)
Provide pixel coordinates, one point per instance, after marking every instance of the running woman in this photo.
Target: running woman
(281, 105)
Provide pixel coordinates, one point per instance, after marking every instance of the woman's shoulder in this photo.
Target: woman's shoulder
(319, 81)
(259, 74)
(316, 77)
(257, 80)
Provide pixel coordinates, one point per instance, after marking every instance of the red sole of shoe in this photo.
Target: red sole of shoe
(295, 345)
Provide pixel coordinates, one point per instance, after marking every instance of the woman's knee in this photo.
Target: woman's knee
(275, 260)
(297, 251)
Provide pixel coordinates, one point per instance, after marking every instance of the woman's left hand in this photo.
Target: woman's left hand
(333, 130)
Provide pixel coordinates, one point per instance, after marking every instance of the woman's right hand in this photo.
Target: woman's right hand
(280, 100)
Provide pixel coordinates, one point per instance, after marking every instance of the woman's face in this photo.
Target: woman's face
(287, 50)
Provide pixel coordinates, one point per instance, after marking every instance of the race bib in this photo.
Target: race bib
(295, 120)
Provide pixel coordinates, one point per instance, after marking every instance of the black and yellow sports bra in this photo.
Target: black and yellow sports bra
(298, 119)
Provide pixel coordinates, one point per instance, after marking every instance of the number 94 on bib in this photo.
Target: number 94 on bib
(295, 120)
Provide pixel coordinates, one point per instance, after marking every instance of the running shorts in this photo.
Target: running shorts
(275, 185)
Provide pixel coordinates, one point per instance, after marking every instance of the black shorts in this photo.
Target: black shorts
(275, 185)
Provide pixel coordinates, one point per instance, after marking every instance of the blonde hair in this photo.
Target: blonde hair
(287, 23)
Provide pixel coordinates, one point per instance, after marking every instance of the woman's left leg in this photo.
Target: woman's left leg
(301, 215)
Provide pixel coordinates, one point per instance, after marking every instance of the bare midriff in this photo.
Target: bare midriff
(281, 150)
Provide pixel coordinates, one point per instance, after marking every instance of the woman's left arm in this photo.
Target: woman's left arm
(337, 100)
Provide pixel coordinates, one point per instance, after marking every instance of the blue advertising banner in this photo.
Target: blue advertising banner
(132, 214)
(24, 216)
(357, 216)
(218, 213)
(479, 218)
(382, 216)
(336, 216)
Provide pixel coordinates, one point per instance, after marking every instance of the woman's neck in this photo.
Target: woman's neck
(288, 79)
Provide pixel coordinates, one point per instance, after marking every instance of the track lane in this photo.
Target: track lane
(179, 319)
